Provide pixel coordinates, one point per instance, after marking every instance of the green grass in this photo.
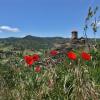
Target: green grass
(69, 80)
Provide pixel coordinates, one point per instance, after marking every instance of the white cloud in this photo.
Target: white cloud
(8, 29)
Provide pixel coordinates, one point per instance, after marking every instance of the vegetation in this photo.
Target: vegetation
(30, 42)
(51, 75)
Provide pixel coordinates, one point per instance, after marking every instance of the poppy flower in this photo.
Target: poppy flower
(37, 69)
(29, 60)
(36, 57)
(86, 56)
(71, 55)
(53, 52)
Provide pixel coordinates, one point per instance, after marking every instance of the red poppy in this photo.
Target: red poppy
(71, 55)
(53, 52)
(86, 56)
(29, 60)
(36, 57)
(37, 69)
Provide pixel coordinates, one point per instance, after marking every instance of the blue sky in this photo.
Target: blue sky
(44, 18)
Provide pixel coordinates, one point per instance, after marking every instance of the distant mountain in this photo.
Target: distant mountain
(30, 42)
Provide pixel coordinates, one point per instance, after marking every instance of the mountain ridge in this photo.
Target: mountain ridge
(29, 41)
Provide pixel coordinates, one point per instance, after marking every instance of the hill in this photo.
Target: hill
(29, 42)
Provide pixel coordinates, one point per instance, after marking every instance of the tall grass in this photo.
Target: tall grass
(59, 79)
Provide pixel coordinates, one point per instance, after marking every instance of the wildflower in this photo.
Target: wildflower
(29, 60)
(71, 55)
(53, 52)
(36, 57)
(37, 69)
(86, 56)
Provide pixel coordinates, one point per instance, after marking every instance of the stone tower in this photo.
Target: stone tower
(74, 35)
(74, 38)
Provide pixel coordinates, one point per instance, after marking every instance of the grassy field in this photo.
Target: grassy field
(55, 76)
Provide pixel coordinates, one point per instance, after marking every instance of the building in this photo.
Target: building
(75, 39)
(73, 43)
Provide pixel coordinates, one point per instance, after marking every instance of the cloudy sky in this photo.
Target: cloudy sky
(44, 18)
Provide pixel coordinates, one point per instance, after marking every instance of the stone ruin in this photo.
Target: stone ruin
(73, 43)
(75, 39)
